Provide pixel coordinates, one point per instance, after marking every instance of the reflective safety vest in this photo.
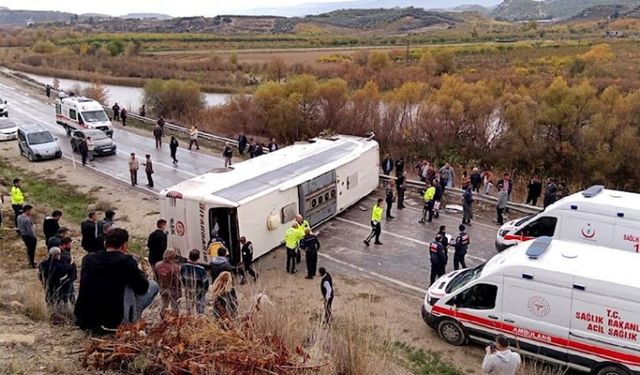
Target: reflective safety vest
(213, 248)
(302, 227)
(376, 214)
(429, 193)
(16, 195)
(291, 238)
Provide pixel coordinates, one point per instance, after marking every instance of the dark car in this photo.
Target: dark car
(103, 144)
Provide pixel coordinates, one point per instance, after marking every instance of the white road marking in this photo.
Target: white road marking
(401, 237)
(374, 274)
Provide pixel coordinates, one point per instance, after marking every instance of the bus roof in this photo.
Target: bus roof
(285, 168)
(572, 258)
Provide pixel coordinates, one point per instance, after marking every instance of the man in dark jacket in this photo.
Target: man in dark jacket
(83, 148)
(242, 143)
(389, 197)
(401, 186)
(437, 257)
(310, 245)
(437, 197)
(476, 180)
(387, 165)
(51, 225)
(550, 192)
(89, 230)
(247, 259)
(220, 264)
(534, 189)
(461, 246)
(326, 288)
(52, 274)
(148, 168)
(157, 135)
(399, 167)
(157, 242)
(113, 290)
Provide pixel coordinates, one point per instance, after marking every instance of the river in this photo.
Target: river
(129, 97)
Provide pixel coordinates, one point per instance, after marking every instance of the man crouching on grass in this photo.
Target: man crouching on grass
(113, 290)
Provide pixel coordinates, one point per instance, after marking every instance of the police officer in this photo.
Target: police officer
(437, 197)
(17, 200)
(376, 218)
(428, 197)
(302, 227)
(401, 187)
(389, 196)
(461, 246)
(437, 257)
(310, 245)
(291, 239)
(445, 244)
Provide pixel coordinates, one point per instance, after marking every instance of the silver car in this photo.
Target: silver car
(8, 129)
(37, 143)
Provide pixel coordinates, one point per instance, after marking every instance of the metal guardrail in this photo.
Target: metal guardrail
(457, 192)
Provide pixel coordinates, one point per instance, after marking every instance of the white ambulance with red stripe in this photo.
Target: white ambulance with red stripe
(567, 303)
(75, 112)
(595, 216)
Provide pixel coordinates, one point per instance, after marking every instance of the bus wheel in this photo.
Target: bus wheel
(612, 370)
(452, 332)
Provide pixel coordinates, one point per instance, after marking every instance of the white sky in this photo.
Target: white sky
(171, 7)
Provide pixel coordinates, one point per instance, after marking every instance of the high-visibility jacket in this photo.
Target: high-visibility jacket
(291, 238)
(16, 195)
(302, 227)
(376, 214)
(429, 193)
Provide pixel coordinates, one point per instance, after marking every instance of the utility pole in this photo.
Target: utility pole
(406, 60)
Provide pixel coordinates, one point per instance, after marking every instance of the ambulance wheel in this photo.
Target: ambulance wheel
(612, 370)
(452, 332)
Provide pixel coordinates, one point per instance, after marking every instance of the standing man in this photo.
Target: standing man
(467, 205)
(113, 290)
(326, 287)
(273, 146)
(51, 225)
(534, 190)
(83, 147)
(227, 154)
(91, 147)
(173, 148)
(302, 227)
(549, 192)
(508, 187)
(247, 259)
(148, 168)
(157, 135)
(476, 180)
(447, 176)
(437, 258)
(17, 200)
(193, 137)
(133, 169)
(252, 148)
(399, 167)
(89, 230)
(429, 202)
(196, 283)
(387, 165)
(291, 239)
(143, 111)
(437, 197)
(161, 123)
(401, 186)
(461, 246)
(376, 218)
(499, 359)
(116, 112)
(157, 242)
(389, 197)
(25, 226)
(47, 90)
(501, 204)
(123, 116)
(310, 245)
(242, 143)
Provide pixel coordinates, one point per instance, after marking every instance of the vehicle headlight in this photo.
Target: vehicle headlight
(503, 232)
(432, 300)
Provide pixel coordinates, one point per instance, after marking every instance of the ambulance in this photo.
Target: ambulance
(564, 302)
(595, 216)
(259, 198)
(74, 113)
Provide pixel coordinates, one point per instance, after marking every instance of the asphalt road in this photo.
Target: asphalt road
(403, 260)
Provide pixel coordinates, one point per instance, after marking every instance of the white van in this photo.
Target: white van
(260, 197)
(596, 216)
(75, 113)
(560, 301)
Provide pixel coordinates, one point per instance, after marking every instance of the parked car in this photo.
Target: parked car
(37, 143)
(104, 144)
(8, 129)
(4, 111)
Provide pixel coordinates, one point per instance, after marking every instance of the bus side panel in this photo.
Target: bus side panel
(253, 217)
(173, 210)
(605, 323)
(358, 178)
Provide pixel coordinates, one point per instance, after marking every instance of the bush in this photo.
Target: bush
(173, 98)
(44, 46)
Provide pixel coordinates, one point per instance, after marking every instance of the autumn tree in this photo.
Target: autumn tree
(332, 100)
(378, 60)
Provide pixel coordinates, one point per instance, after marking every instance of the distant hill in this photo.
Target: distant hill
(522, 10)
(633, 13)
(24, 17)
(144, 16)
(367, 19)
(471, 8)
(598, 12)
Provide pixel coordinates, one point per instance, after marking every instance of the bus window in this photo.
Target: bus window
(544, 226)
(352, 181)
(72, 114)
(58, 109)
(478, 297)
(288, 213)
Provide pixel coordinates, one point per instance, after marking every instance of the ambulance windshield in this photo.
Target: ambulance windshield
(464, 278)
(94, 116)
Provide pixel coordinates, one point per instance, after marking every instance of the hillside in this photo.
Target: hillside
(520, 10)
(23, 17)
(599, 12)
(367, 19)
(142, 16)
(633, 13)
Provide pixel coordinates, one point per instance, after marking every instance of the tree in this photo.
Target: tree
(281, 111)
(44, 46)
(332, 99)
(378, 60)
(96, 92)
(233, 58)
(428, 63)
(277, 68)
(173, 98)
(599, 54)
